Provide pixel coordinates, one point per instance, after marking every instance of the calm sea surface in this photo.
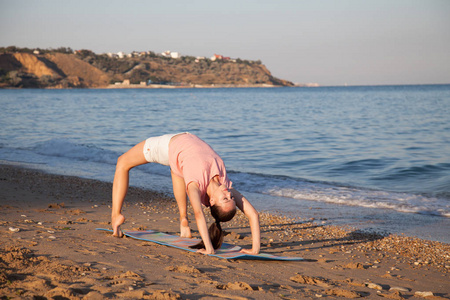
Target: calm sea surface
(369, 157)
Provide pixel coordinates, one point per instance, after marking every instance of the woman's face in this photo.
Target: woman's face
(222, 197)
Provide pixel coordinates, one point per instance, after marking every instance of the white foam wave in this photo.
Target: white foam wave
(402, 202)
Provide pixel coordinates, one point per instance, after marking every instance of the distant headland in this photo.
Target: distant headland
(66, 68)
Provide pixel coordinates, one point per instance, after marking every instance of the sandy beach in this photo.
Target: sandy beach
(51, 250)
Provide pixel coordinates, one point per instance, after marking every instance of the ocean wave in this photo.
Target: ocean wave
(415, 171)
(65, 148)
(432, 179)
(82, 152)
(362, 165)
(318, 191)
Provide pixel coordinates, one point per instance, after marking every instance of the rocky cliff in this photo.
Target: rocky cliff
(89, 70)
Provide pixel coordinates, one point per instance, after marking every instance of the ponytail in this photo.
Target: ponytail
(215, 230)
(215, 234)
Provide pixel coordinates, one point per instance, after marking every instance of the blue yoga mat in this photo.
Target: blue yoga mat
(226, 251)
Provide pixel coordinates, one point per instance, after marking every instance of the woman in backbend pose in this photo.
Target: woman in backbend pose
(197, 170)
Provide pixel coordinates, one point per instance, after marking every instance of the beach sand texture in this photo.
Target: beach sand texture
(51, 250)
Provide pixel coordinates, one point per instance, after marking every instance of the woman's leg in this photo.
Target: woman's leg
(132, 158)
(179, 191)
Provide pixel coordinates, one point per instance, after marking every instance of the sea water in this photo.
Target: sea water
(368, 157)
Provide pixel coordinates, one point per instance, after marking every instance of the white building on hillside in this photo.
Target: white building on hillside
(171, 54)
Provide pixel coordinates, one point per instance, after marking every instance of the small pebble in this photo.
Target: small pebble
(14, 229)
(424, 294)
(399, 288)
(374, 286)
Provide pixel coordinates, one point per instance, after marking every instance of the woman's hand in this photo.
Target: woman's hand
(249, 251)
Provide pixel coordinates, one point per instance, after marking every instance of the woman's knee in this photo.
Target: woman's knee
(132, 158)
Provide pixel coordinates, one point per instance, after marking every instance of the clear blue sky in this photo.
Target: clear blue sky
(358, 42)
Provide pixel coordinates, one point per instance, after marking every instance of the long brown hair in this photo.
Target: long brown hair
(215, 230)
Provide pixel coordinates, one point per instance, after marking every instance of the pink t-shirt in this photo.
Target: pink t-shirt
(195, 161)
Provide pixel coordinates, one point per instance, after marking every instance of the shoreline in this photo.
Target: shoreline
(165, 86)
(187, 86)
(57, 215)
(162, 86)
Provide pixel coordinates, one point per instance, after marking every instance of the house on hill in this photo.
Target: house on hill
(216, 57)
(219, 57)
(171, 54)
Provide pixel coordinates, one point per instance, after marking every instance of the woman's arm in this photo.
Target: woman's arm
(253, 217)
(195, 199)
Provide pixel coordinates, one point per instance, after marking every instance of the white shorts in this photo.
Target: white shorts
(156, 149)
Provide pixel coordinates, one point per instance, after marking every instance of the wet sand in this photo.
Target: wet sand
(51, 250)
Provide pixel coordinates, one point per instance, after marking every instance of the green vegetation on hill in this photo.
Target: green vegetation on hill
(64, 68)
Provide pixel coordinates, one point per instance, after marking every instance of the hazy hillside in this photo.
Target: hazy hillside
(85, 69)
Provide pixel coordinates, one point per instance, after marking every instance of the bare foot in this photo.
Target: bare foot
(185, 231)
(116, 221)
